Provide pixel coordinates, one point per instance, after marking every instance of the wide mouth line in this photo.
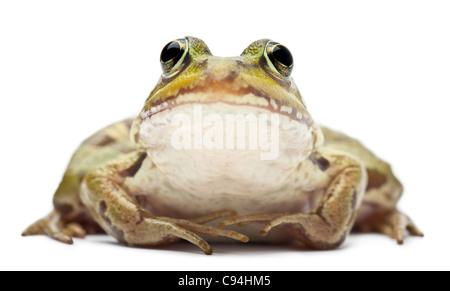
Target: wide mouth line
(275, 106)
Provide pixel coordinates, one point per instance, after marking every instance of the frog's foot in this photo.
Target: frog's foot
(189, 229)
(393, 224)
(53, 226)
(205, 229)
(155, 231)
(327, 226)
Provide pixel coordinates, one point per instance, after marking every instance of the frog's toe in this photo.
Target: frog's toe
(213, 216)
(53, 227)
(206, 229)
(400, 225)
(253, 218)
(394, 224)
(75, 230)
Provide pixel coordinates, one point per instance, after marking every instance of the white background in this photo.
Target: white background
(378, 70)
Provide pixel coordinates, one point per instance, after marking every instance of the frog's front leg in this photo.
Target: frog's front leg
(327, 226)
(122, 217)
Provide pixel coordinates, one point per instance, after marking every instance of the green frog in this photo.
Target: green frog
(135, 182)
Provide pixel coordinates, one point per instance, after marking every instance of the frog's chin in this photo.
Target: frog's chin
(240, 149)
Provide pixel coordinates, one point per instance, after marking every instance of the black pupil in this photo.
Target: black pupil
(283, 55)
(170, 51)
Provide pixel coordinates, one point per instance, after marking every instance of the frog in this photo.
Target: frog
(130, 181)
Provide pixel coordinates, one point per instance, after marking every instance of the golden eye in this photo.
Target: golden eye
(279, 58)
(173, 55)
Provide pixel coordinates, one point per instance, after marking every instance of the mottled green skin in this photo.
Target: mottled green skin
(361, 191)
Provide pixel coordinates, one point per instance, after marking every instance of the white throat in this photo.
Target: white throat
(221, 148)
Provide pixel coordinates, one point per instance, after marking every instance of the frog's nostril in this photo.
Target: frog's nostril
(231, 76)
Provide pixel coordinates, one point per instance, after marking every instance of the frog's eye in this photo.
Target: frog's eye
(279, 58)
(173, 56)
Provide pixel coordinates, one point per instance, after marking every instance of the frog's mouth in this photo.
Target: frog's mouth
(220, 102)
(248, 96)
(239, 95)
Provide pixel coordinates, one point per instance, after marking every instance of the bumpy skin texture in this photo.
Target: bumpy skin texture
(340, 185)
(378, 212)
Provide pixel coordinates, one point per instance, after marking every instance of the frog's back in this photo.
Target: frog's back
(101, 147)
